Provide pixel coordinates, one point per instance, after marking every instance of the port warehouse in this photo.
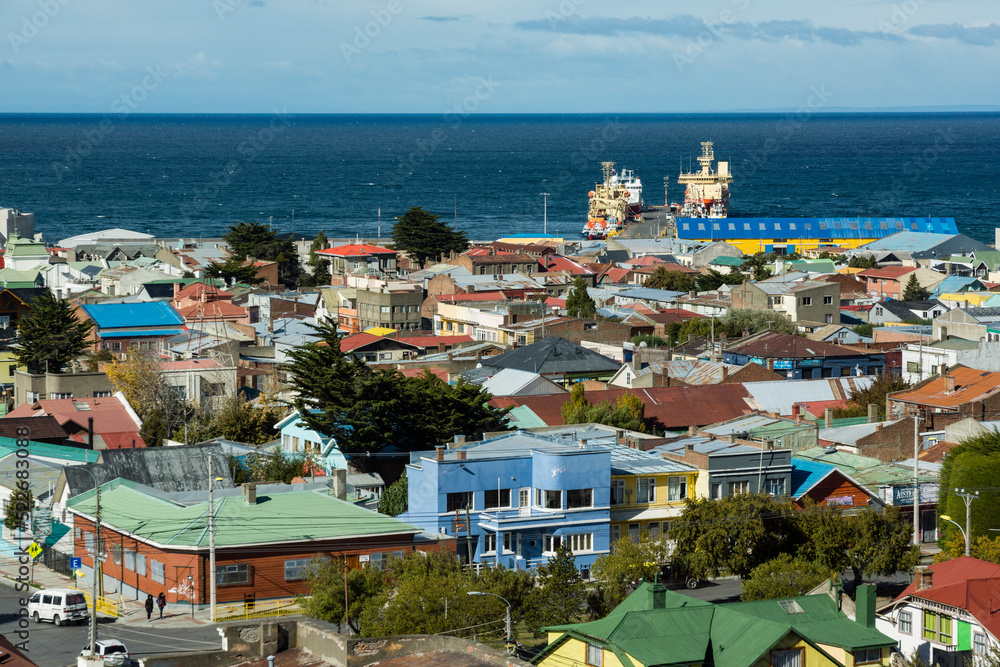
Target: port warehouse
(788, 235)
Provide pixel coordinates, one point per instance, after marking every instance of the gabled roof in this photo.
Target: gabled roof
(554, 355)
(776, 345)
(971, 384)
(144, 315)
(888, 272)
(356, 250)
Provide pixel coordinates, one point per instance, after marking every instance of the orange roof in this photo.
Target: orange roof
(195, 290)
(891, 272)
(110, 414)
(212, 309)
(971, 384)
(356, 250)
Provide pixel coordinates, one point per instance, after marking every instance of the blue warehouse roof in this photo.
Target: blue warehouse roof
(145, 315)
(809, 228)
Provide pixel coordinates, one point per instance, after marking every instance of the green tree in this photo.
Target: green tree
(422, 236)
(865, 330)
(914, 291)
(20, 506)
(326, 589)
(617, 573)
(560, 594)
(319, 264)
(51, 335)
(261, 466)
(783, 577)
(981, 547)
(713, 280)
(863, 262)
(756, 265)
(733, 535)
(650, 340)
(677, 281)
(628, 412)
(579, 303)
(873, 394)
(233, 271)
(258, 241)
(242, 421)
(868, 542)
(395, 499)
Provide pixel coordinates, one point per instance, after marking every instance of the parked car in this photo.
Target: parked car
(59, 605)
(674, 576)
(112, 651)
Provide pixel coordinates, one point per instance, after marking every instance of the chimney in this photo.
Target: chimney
(619, 436)
(338, 483)
(872, 413)
(657, 596)
(951, 384)
(828, 418)
(864, 609)
(943, 370)
(583, 442)
(691, 430)
(460, 455)
(922, 578)
(250, 493)
(688, 449)
(479, 355)
(459, 440)
(878, 426)
(769, 445)
(732, 438)
(725, 372)
(795, 409)
(774, 415)
(770, 364)
(442, 348)
(439, 453)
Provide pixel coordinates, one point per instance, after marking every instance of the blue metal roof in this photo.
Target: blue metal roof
(119, 315)
(806, 475)
(808, 228)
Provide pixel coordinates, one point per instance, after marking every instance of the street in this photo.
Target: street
(50, 646)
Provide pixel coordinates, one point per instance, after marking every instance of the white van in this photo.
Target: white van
(59, 605)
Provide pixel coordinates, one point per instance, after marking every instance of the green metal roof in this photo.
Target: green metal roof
(45, 450)
(738, 634)
(724, 260)
(291, 516)
(867, 471)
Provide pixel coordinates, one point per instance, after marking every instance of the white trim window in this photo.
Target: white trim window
(595, 655)
(905, 623)
(645, 490)
(677, 488)
(979, 644)
(618, 492)
(580, 542)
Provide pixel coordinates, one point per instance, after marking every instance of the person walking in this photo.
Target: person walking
(149, 608)
(161, 602)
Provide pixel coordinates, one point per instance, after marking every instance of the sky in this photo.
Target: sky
(492, 56)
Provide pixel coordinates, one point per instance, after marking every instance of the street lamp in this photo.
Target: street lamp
(505, 602)
(968, 498)
(964, 534)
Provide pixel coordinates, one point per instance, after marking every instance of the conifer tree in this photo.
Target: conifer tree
(51, 336)
(914, 291)
(579, 303)
(422, 236)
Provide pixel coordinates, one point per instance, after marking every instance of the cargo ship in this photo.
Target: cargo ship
(707, 193)
(611, 203)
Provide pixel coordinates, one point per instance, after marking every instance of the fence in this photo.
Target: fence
(56, 561)
(107, 606)
(252, 609)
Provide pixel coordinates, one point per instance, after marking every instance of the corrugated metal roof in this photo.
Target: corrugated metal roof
(779, 396)
(147, 314)
(806, 475)
(513, 382)
(554, 355)
(971, 384)
(809, 228)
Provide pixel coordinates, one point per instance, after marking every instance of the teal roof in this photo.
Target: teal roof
(724, 260)
(288, 516)
(522, 417)
(45, 450)
(145, 315)
(738, 634)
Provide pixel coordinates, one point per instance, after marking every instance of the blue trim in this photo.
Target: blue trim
(136, 333)
(809, 228)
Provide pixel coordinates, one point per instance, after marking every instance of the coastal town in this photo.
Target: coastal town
(694, 440)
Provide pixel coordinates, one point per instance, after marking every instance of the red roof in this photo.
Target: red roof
(213, 310)
(480, 251)
(891, 272)
(110, 414)
(673, 408)
(195, 290)
(434, 341)
(356, 250)
(617, 274)
(967, 583)
(859, 308)
(559, 263)
(357, 340)
(440, 373)
(555, 303)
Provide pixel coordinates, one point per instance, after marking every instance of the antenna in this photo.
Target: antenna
(380, 222)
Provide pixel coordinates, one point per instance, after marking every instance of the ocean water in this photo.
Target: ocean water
(194, 175)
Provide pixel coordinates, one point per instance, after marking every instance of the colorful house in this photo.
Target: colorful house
(646, 493)
(654, 626)
(120, 326)
(299, 439)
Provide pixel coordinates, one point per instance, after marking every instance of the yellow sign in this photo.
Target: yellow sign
(35, 550)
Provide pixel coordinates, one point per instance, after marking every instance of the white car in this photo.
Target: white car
(112, 651)
(59, 605)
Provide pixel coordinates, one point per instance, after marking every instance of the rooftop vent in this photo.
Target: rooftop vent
(81, 406)
(791, 607)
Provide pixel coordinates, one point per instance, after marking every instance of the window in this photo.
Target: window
(736, 488)
(140, 564)
(792, 658)
(676, 488)
(775, 487)
(228, 575)
(552, 542)
(297, 569)
(550, 500)
(116, 554)
(978, 643)
(88, 542)
(595, 655)
(616, 533)
(459, 501)
(510, 540)
(576, 498)
(524, 498)
(645, 490)
(807, 301)
(912, 367)
(617, 491)
(580, 542)
(716, 491)
(130, 560)
(102, 394)
(59, 395)
(937, 627)
(867, 655)
(827, 300)
(654, 530)
(905, 623)
(497, 498)
(158, 571)
(828, 318)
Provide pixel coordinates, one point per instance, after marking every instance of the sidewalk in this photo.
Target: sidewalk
(174, 616)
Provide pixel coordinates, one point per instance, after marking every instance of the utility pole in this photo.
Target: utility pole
(968, 498)
(97, 569)
(545, 209)
(211, 540)
(916, 481)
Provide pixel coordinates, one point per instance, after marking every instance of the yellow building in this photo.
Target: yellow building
(646, 494)
(654, 626)
(7, 367)
(788, 235)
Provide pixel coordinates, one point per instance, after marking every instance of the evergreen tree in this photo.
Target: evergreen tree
(677, 281)
(233, 271)
(579, 303)
(713, 280)
(422, 236)
(258, 241)
(51, 335)
(319, 263)
(783, 577)
(913, 290)
(20, 505)
(396, 498)
(863, 262)
(560, 594)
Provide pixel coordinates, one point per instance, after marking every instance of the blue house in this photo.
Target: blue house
(523, 494)
(121, 326)
(297, 438)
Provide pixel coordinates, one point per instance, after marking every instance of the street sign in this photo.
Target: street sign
(75, 563)
(35, 550)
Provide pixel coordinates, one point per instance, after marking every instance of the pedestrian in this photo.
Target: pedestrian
(149, 608)
(161, 602)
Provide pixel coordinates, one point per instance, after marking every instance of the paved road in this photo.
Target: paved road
(718, 590)
(50, 646)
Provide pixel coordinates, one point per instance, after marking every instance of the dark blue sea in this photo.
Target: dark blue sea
(195, 175)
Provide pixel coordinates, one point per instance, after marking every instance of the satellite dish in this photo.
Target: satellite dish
(643, 344)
